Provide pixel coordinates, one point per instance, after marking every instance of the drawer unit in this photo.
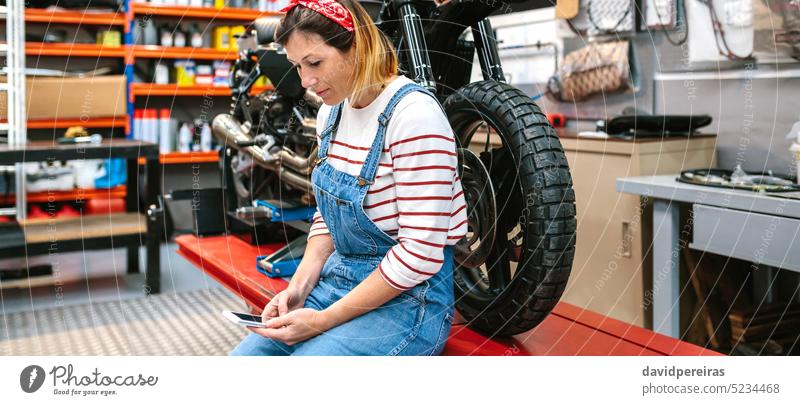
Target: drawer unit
(758, 238)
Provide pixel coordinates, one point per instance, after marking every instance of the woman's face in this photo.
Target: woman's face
(321, 67)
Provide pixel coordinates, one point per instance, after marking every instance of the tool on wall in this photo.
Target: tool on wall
(666, 15)
(736, 14)
(604, 17)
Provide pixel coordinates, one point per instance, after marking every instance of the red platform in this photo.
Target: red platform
(568, 331)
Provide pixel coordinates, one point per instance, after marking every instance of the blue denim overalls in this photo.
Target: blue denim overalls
(418, 321)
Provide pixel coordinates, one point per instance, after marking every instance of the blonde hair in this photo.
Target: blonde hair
(374, 56)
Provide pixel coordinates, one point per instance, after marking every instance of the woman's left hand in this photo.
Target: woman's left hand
(293, 327)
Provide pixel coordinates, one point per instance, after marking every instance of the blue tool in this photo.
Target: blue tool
(280, 214)
(284, 261)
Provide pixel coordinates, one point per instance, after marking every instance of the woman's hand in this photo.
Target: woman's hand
(283, 302)
(294, 327)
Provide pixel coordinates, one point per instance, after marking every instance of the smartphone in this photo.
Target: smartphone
(244, 319)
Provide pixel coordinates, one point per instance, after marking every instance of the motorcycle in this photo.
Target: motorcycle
(514, 264)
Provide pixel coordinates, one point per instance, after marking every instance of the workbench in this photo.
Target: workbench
(762, 228)
(568, 330)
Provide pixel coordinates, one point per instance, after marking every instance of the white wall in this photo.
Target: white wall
(525, 66)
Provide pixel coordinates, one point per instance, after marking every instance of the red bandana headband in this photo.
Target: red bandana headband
(332, 9)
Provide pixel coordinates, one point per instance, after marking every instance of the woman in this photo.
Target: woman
(376, 276)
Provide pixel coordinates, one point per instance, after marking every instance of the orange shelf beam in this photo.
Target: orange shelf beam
(228, 13)
(174, 158)
(77, 50)
(70, 196)
(102, 122)
(162, 52)
(170, 90)
(39, 15)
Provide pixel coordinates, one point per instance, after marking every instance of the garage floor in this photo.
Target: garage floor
(109, 314)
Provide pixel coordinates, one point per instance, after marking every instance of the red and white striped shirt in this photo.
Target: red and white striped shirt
(416, 197)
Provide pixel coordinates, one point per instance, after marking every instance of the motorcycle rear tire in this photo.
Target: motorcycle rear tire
(545, 216)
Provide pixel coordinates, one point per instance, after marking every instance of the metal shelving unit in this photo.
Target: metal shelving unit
(136, 10)
(139, 225)
(14, 14)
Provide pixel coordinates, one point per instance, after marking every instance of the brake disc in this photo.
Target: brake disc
(473, 250)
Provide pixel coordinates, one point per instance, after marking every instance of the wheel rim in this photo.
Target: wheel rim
(485, 283)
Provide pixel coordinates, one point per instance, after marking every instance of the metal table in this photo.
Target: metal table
(762, 228)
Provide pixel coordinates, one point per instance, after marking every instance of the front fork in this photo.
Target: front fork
(486, 47)
(419, 61)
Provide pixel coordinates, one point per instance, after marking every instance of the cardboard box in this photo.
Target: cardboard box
(72, 97)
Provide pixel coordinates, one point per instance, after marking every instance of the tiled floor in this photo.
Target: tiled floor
(170, 324)
(93, 307)
(98, 276)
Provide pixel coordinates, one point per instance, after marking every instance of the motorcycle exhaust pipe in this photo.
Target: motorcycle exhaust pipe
(295, 180)
(299, 164)
(228, 129)
(235, 135)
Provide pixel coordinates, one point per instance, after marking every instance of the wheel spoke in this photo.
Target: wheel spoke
(515, 244)
(487, 262)
(505, 186)
(481, 212)
(488, 137)
(500, 270)
(470, 134)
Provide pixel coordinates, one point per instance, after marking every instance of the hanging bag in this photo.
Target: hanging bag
(594, 69)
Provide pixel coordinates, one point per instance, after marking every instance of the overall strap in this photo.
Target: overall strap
(328, 133)
(370, 167)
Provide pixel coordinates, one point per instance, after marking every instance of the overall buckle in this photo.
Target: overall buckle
(383, 120)
(363, 182)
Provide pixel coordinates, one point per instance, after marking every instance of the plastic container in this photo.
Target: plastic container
(164, 131)
(195, 36)
(179, 38)
(137, 125)
(204, 75)
(205, 137)
(221, 38)
(185, 138)
(184, 72)
(146, 131)
(161, 73)
(166, 37)
(109, 38)
(222, 70)
(156, 124)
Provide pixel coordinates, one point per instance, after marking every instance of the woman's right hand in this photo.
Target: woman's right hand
(283, 302)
